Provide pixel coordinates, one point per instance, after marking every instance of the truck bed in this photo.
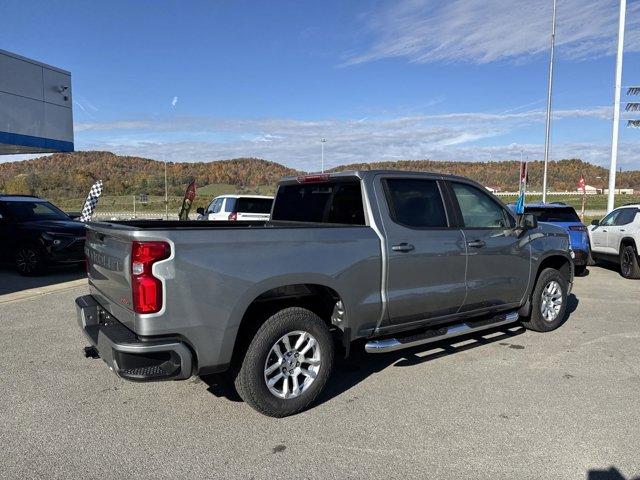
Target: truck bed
(208, 225)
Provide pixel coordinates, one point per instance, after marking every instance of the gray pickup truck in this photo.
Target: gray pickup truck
(398, 259)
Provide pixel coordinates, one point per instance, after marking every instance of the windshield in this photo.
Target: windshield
(32, 211)
(566, 214)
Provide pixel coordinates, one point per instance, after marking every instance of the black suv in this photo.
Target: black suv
(34, 234)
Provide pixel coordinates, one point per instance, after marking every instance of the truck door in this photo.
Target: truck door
(497, 262)
(426, 254)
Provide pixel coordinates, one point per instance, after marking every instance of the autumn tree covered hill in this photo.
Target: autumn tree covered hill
(70, 175)
(563, 175)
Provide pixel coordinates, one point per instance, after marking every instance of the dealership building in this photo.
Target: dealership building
(35, 107)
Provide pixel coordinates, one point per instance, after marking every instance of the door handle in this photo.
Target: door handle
(622, 230)
(403, 247)
(476, 243)
(604, 231)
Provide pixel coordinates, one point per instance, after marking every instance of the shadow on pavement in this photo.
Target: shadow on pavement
(348, 372)
(610, 474)
(11, 281)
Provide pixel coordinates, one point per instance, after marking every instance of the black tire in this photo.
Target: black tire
(579, 270)
(29, 260)
(629, 267)
(250, 380)
(591, 260)
(536, 321)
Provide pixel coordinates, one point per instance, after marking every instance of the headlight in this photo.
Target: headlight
(56, 238)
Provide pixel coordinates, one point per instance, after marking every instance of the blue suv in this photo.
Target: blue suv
(564, 216)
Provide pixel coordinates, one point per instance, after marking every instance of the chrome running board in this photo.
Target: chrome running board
(437, 334)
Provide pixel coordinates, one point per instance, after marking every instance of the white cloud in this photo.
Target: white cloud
(174, 102)
(296, 143)
(482, 31)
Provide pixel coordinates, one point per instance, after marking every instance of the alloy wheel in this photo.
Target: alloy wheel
(627, 262)
(26, 260)
(292, 364)
(551, 301)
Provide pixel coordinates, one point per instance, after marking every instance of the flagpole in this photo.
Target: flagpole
(166, 195)
(616, 108)
(547, 132)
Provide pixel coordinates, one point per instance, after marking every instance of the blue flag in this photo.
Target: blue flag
(522, 189)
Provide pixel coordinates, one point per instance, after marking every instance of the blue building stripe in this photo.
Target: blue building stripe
(35, 142)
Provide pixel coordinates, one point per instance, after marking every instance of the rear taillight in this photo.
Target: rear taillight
(233, 216)
(147, 289)
(578, 228)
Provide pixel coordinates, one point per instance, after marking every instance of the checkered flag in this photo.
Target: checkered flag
(91, 201)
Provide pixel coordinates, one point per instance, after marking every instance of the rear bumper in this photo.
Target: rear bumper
(129, 356)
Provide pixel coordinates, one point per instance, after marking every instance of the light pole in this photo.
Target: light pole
(166, 194)
(322, 142)
(616, 107)
(547, 132)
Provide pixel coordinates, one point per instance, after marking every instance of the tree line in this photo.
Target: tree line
(70, 175)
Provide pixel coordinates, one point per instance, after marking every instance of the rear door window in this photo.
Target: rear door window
(416, 203)
(333, 202)
(626, 216)
(229, 205)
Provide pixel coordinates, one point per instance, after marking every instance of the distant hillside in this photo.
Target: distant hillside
(563, 175)
(70, 175)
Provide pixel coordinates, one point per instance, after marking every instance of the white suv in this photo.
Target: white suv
(239, 208)
(617, 237)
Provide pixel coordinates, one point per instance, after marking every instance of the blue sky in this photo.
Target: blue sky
(381, 80)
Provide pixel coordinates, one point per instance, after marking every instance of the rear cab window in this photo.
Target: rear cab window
(332, 202)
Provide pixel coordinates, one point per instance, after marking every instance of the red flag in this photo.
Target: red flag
(189, 195)
(582, 185)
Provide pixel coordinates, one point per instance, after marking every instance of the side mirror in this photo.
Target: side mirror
(595, 223)
(528, 221)
(200, 211)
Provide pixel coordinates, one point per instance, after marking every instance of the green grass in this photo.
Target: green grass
(155, 204)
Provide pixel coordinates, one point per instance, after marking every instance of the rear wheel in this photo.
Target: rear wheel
(548, 302)
(287, 363)
(629, 262)
(29, 260)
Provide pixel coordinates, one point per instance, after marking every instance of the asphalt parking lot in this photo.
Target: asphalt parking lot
(511, 404)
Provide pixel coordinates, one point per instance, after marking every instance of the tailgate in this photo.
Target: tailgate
(109, 269)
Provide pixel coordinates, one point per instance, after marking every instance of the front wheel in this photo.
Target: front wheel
(548, 302)
(629, 262)
(287, 364)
